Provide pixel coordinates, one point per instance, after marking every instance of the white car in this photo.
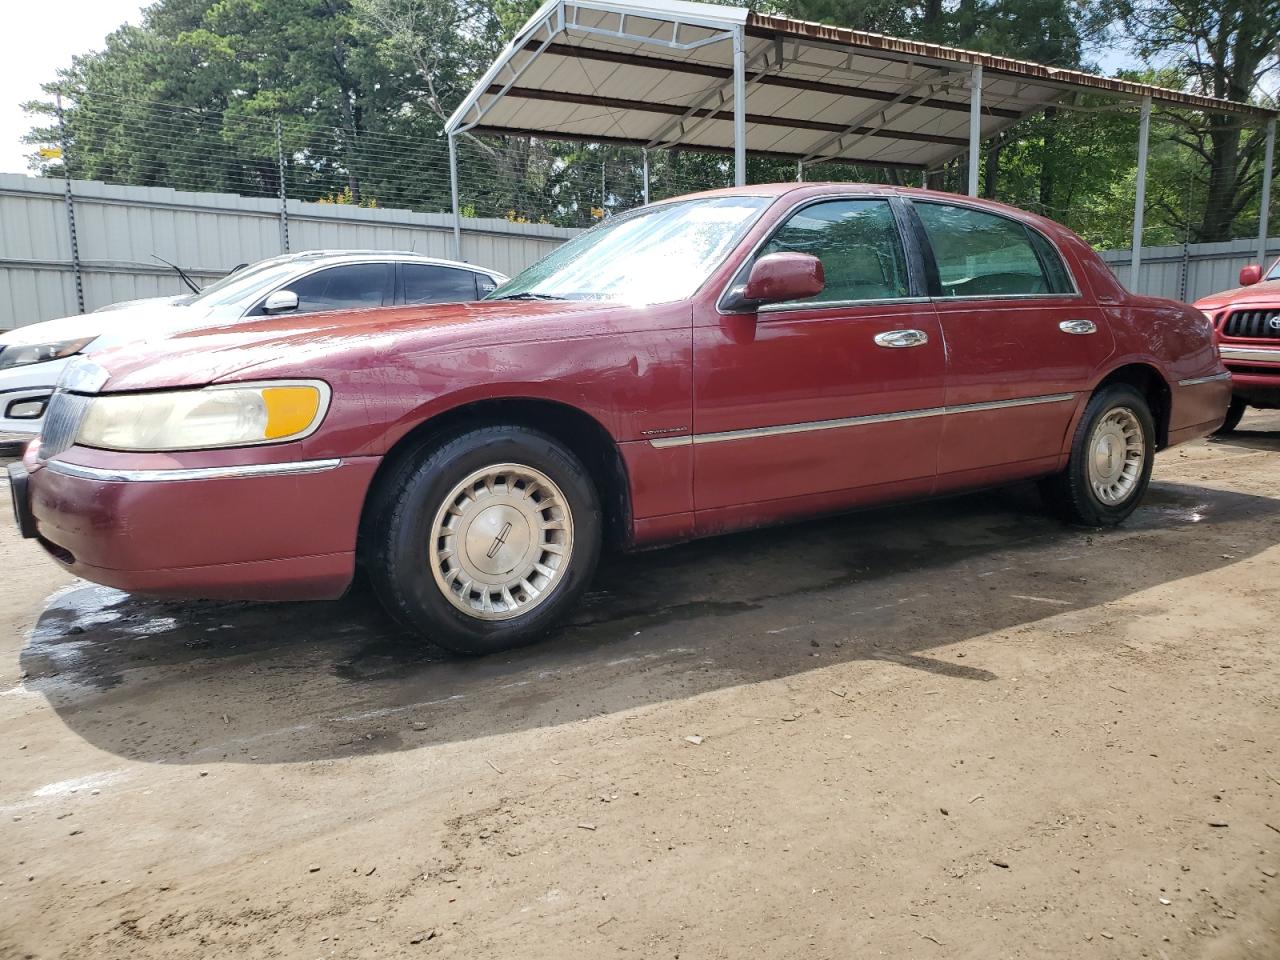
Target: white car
(32, 357)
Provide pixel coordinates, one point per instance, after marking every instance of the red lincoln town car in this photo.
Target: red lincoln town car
(705, 364)
(1248, 323)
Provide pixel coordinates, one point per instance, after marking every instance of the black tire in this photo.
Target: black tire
(1235, 413)
(1070, 493)
(397, 548)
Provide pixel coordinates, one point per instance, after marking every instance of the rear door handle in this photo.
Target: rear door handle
(902, 338)
(1078, 326)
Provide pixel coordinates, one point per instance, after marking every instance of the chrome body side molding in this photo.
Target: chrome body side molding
(1194, 381)
(191, 473)
(753, 433)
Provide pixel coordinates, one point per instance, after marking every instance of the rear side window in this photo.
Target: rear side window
(980, 254)
(858, 244)
(427, 283)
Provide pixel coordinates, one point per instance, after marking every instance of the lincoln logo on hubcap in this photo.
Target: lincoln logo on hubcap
(499, 540)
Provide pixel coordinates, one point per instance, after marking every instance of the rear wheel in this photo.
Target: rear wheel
(1234, 414)
(486, 540)
(1111, 457)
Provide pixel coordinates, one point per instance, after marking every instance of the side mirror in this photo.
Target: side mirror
(777, 278)
(281, 301)
(1250, 275)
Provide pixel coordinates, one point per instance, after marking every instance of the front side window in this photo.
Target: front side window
(981, 254)
(428, 283)
(657, 254)
(858, 244)
(350, 286)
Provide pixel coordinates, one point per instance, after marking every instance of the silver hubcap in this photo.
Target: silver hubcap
(501, 541)
(1117, 450)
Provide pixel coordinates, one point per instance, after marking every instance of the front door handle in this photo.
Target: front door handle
(902, 338)
(1078, 326)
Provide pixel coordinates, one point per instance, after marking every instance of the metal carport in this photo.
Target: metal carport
(671, 74)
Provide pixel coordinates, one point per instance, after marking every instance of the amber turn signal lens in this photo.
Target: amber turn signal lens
(290, 409)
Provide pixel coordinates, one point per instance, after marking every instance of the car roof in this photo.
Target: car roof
(343, 256)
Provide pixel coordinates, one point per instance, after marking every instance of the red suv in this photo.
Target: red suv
(705, 364)
(1247, 321)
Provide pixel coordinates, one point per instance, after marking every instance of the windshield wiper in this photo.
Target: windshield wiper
(527, 295)
(191, 284)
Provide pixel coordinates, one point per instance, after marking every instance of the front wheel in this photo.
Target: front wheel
(485, 541)
(1235, 413)
(1111, 457)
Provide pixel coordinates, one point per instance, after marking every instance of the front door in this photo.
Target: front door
(1023, 342)
(809, 405)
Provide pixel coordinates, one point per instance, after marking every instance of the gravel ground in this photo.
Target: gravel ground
(956, 730)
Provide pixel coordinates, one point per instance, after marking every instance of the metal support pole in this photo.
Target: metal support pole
(799, 171)
(1140, 201)
(1264, 206)
(975, 127)
(70, 206)
(453, 186)
(739, 108)
(284, 195)
(645, 154)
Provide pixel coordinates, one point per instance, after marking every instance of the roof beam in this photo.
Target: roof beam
(769, 59)
(928, 79)
(725, 73)
(671, 109)
(498, 131)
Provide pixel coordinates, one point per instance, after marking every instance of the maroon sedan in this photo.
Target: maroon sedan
(706, 364)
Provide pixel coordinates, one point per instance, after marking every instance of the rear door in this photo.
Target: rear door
(1023, 342)
(820, 398)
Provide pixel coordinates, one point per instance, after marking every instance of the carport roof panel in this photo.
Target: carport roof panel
(660, 74)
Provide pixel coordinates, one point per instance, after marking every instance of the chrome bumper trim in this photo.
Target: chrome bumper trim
(813, 425)
(191, 473)
(1265, 354)
(1194, 381)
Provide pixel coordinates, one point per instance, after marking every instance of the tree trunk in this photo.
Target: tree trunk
(990, 171)
(1220, 200)
(1048, 162)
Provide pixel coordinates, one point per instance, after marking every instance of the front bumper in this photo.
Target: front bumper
(260, 531)
(1255, 371)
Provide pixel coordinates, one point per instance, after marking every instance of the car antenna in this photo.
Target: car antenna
(191, 284)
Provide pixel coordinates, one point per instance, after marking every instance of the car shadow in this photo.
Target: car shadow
(203, 682)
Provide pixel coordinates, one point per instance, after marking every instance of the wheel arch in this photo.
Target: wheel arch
(582, 433)
(1146, 378)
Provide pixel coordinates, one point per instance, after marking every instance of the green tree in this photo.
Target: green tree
(1224, 49)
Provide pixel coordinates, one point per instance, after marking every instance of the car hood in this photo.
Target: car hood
(140, 322)
(303, 345)
(1266, 292)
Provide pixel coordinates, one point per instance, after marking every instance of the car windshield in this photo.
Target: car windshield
(1275, 272)
(245, 283)
(657, 254)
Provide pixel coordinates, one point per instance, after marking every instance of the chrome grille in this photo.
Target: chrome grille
(1260, 324)
(62, 422)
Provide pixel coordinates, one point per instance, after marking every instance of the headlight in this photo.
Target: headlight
(20, 355)
(231, 415)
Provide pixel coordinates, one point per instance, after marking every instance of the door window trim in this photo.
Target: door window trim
(935, 278)
(330, 266)
(914, 257)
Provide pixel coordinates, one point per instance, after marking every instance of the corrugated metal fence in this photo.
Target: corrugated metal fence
(119, 228)
(1192, 271)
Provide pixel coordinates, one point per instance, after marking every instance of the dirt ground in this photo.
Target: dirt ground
(956, 730)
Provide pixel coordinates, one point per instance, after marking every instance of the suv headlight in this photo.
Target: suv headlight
(230, 415)
(19, 355)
